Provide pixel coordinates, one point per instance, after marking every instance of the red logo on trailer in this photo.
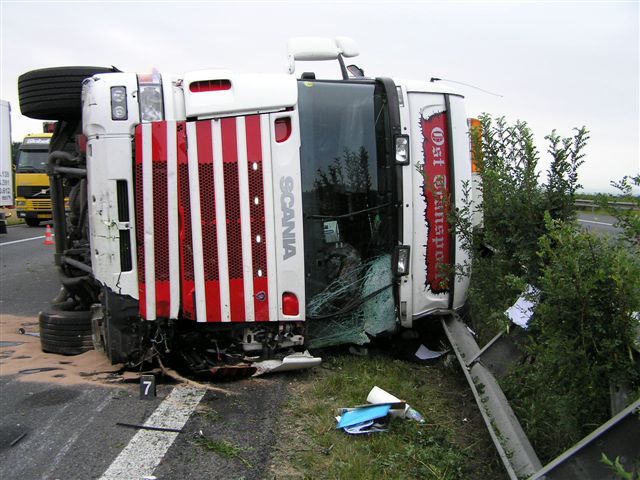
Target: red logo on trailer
(436, 195)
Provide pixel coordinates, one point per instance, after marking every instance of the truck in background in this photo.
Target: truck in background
(33, 198)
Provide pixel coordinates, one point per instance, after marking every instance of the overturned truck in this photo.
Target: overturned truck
(219, 216)
(219, 219)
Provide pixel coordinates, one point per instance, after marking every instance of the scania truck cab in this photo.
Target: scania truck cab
(224, 216)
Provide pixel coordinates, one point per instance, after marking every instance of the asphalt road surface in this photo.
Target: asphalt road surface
(27, 273)
(598, 223)
(66, 426)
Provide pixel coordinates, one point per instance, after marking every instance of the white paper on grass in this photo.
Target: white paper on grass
(520, 312)
(424, 353)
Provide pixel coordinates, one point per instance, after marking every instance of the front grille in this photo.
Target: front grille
(41, 204)
(123, 200)
(33, 192)
(126, 264)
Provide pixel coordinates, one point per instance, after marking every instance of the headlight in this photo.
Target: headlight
(20, 203)
(118, 103)
(402, 149)
(150, 98)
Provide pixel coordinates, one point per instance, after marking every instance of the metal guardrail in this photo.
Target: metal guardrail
(513, 446)
(591, 204)
(616, 438)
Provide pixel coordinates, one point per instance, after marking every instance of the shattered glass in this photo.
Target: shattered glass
(357, 304)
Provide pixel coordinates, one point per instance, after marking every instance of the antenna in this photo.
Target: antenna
(436, 79)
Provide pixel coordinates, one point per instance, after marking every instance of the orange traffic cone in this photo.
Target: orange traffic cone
(48, 236)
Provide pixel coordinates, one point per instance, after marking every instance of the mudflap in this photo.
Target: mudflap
(120, 328)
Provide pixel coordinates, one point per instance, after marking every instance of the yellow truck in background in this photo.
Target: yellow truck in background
(33, 192)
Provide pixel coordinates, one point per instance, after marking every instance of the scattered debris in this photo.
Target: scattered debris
(423, 353)
(22, 331)
(358, 416)
(30, 371)
(17, 439)
(521, 311)
(375, 417)
(378, 395)
(146, 427)
(366, 427)
(295, 361)
(413, 414)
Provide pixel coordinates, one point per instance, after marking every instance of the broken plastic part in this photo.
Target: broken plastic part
(295, 361)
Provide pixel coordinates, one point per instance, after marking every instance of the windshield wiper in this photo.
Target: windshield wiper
(351, 214)
(29, 169)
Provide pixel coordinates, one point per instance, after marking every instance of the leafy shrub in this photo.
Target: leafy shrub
(581, 338)
(582, 333)
(513, 207)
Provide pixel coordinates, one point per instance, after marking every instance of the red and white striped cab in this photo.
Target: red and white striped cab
(205, 227)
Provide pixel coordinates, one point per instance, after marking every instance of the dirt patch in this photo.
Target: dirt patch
(22, 353)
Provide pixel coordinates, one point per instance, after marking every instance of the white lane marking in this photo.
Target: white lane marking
(594, 222)
(72, 440)
(20, 241)
(61, 454)
(147, 447)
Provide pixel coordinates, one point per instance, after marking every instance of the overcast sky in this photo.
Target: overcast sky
(556, 64)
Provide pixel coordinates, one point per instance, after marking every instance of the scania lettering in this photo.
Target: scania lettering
(288, 217)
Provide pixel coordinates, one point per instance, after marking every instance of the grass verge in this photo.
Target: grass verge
(452, 444)
(222, 448)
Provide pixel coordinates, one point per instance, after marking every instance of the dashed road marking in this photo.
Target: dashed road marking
(594, 222)
(147, 447)
(20, 241)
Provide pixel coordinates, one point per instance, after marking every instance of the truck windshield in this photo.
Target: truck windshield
(30, 161)
(346, 181)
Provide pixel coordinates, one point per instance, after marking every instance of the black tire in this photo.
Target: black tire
(54, 93)
(32, 222)
(64, 329)
(65, 332)
(65, 335)
(66, 350)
